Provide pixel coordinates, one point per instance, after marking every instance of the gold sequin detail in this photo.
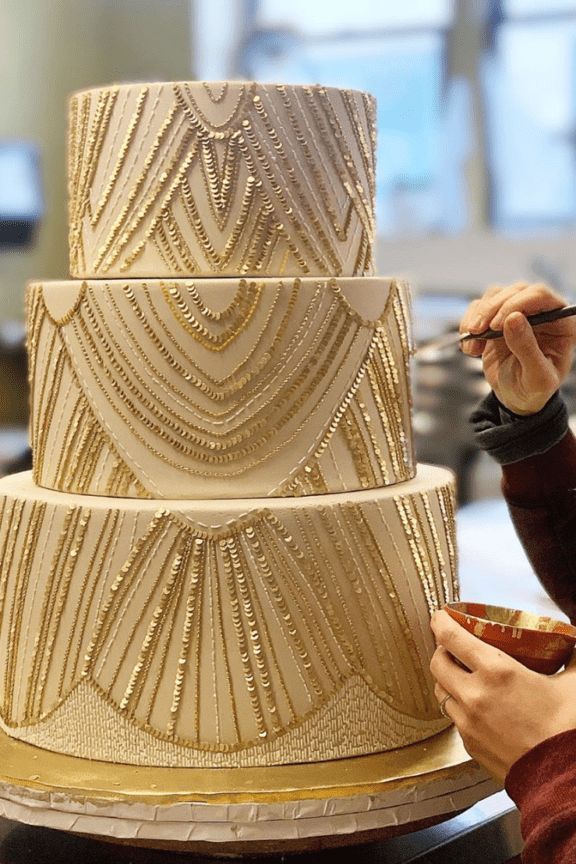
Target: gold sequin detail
(216, 638)
(286, 175)
(186, 635)
(164, 390)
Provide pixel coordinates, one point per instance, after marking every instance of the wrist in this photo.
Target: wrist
(522, 410)
(509, 437)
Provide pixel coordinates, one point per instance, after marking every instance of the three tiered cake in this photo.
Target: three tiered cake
(224, 555)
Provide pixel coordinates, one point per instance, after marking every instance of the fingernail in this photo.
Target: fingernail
(476, 347)
(515, 320)
(477, 325)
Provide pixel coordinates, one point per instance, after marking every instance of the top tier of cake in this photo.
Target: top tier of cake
(233, 178)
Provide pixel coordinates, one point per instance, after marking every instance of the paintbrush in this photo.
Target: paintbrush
(454, 339)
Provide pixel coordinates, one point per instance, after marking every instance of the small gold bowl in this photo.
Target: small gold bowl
(537, 641)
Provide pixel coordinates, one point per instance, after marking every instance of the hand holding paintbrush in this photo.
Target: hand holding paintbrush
(534, 321)
(528, 363)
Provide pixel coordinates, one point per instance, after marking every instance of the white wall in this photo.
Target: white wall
(49, 48)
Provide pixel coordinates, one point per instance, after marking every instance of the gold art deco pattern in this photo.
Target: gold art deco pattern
(224, 635)
(236, 178)
(220, 388)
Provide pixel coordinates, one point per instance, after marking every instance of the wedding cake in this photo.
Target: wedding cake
(225, 555)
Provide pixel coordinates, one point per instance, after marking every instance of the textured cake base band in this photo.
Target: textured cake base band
(220, 388)
(223, 633)
(365, 722)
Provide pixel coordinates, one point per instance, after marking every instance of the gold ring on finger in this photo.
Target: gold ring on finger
(443, 705)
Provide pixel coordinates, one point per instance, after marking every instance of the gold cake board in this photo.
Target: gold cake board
(242, 810)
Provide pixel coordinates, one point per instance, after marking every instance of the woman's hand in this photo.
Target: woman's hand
(501, 709)
(527, 366)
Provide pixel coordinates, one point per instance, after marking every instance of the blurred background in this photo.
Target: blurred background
(476, 152)
(476, 177)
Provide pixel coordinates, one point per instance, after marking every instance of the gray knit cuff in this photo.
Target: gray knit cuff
(509, 437)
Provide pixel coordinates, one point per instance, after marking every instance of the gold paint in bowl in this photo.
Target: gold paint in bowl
(537, 641)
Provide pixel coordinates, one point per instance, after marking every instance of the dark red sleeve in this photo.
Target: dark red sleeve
(543, 785)
(541, 496)
(538, 479)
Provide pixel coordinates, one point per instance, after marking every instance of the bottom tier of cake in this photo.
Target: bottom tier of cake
(222, 633)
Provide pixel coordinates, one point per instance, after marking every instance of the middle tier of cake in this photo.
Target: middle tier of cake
(220, 388)
(223, 633)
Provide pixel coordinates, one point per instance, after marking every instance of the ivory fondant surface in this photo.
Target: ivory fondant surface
(224, 558)
(223, 633)
(233, 178)
(220, 388)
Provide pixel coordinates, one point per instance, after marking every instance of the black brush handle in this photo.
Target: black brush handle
(533, 320)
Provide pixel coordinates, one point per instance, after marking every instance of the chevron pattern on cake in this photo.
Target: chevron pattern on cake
(220, 388)
(242, 179)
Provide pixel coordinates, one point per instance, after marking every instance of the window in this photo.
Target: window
(530, 83)
(522, 8)
(329, 16)
(498, 124)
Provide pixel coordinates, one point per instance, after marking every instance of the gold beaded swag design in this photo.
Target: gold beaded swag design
(225, 555)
